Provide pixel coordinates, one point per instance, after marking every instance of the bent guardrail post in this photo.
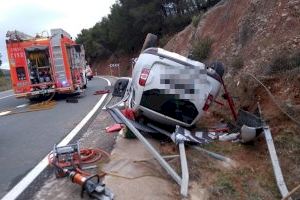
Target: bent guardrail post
(184, 170)
(156, 155)
(275, 163)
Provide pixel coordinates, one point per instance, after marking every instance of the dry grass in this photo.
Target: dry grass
(251, 179)
(5, 83)
(284, 61)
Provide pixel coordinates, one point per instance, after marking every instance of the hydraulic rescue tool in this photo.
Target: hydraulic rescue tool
(68, 160)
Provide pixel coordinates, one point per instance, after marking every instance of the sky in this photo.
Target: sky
(36, 16)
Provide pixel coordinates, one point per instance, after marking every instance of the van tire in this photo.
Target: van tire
(218, 67)
(120, 87)
(151, 40)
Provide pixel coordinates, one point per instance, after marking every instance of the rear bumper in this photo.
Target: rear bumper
(65, 90)
(69, 90)
(34, 93)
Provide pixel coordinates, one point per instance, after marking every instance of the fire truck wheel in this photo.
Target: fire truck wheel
(37, 98)
(33, 99)
(150, 41)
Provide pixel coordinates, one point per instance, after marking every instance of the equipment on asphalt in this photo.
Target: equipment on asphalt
(40, 66)
(72, 100)
(91, 185)
(68, 160)
(99, 92)
(67, 157)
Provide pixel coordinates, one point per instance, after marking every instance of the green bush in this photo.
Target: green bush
(164, 40)
(1, 73)
(202, 49)
(195, 20)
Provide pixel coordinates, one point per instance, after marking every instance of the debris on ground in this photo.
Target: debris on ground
(113, 128)
(72, 100)
(99, 92)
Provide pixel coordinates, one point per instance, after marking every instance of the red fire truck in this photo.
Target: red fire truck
(40, 65)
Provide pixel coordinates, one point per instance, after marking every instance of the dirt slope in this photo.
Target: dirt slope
(262, 38)
(254, 29)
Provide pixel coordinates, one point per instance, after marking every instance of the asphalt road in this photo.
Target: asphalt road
(26, 138)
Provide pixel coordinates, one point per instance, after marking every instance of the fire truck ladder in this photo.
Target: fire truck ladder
(18, 35)
(58, 57)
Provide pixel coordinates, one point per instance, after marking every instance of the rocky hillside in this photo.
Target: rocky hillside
(251, 36)
(255, 30)
(260, 38)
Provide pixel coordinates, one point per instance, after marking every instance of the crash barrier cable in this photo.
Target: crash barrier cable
(87, 156)
(129, 177)
(274, 100)
(291, 193)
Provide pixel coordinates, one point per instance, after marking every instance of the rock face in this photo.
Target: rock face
(254, 30)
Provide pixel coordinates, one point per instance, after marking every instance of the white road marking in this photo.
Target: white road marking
(5, 113)
(7, 96)
(33, 174)
(21, 106)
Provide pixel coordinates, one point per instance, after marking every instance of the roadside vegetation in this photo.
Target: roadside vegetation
(201, 49)
(285, 61)
(4, 80)
(124, 30)
(196, 19)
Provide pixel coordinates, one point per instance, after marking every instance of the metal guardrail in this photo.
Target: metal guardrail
(182, 181)
(275, 163)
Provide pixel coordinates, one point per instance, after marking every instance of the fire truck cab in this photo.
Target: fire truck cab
(41, 66)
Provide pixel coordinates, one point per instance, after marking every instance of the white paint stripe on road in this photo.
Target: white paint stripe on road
(5, 113)
(7, 96)
(22, 105)
(33, 174)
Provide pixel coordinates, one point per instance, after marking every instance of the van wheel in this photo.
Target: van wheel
(218, 67)
(120, 87)
(150, 41)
